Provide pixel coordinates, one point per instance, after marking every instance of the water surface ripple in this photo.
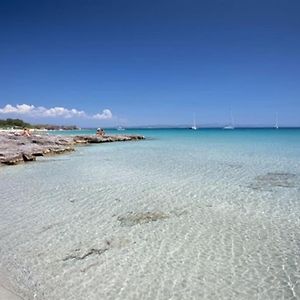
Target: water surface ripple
(186, 215)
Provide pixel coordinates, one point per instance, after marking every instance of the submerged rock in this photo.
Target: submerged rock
(81, 256)
(132, 218)
(273, 180)
(83, 253)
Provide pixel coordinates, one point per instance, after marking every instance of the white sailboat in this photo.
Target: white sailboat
(119, 126)
(194, 127)
(231, 125)
(276, 122)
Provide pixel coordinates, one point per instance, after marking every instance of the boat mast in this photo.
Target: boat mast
(276, 121)
(231, 119)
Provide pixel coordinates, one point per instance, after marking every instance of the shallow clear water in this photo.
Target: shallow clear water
(207, 214)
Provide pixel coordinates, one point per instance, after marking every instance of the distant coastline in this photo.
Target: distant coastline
(18, 124)
(11, 124)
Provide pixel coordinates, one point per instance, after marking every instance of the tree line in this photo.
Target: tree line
(18, 123)
(15, 123)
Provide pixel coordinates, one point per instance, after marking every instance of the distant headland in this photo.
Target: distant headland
(21, 142)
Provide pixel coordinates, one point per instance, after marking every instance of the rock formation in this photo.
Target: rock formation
(15, 148)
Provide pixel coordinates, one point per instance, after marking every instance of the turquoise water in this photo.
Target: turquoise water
(206, 214)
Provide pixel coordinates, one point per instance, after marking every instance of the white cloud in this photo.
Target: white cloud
(62, 112)
(18, 109)
(105, 115)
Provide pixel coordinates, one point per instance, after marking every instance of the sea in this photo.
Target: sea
(183, 214)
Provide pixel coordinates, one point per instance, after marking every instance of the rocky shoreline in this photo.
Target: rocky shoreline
(15, 149)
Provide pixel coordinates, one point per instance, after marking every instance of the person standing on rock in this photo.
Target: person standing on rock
(26, 132)
(100, 132)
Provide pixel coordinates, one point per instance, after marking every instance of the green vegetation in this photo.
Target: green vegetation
(19, 124)
(14, 123)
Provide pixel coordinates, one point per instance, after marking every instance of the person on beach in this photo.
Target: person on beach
(26, 132)
(100, 132)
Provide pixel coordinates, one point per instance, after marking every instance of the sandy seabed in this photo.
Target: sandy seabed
(175, 219)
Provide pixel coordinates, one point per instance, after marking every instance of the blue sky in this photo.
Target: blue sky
(150, 62)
